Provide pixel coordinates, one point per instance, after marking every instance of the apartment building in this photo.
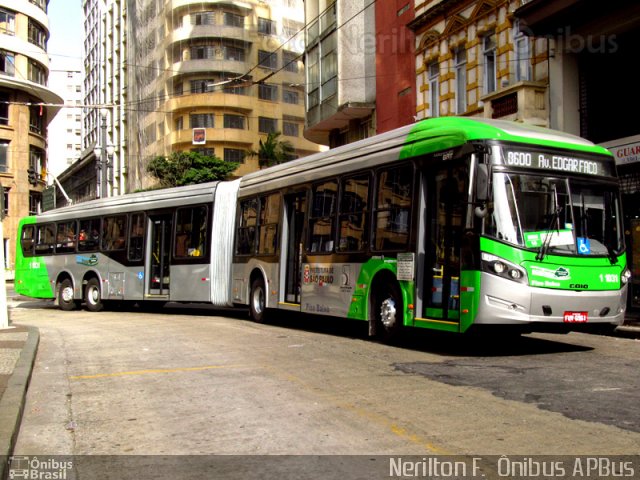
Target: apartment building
(213, 77)
(27, 106)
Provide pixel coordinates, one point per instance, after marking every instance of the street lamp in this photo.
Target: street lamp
(97, 151)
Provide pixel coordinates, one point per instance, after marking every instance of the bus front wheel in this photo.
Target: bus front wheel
(257, 301)
(65, 295)
(93, 297)
(388, 312)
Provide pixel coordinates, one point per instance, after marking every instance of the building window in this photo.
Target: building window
(203, 18)
(7, 22)
(37, 35)
(202, 52)
(313, 77)
(290, 96)
(36, 159)
(233, 121)
(268, 92)
(234, 155)
(434, 90)
(267, 125)
(201, 120)
(7, 63)
(489, 56)
(4, 156)
(37, 73)
(234, 53)
(179, 123)
(523, 55)
(461, 80)
(36, 119)
(233, 20)
(207, 152)
(42, 4)
(290, 129)
(290, 61)
(35, 200)
(266, 26)
(268, 59)
(4, 109)
(329, 66)
(201, 86)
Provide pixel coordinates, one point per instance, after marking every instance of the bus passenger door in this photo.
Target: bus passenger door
(445, 202)
(157, 263)
(291, 268)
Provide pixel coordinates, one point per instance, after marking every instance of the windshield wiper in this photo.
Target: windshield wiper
(547, 239)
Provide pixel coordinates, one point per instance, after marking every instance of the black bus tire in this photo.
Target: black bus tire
(93, 297)
(65, 295)
(257, 301)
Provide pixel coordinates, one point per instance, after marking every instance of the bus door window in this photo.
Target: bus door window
(158, 263)
(321, 223)
(27, 240)
(66, 237)
(136, 237)
(88, 235)
(295, 208)
(447, 199)
(45, 239)
(354, 207)
(393, 208)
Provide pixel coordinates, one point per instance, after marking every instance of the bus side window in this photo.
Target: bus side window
(136, 237)
(323, 211)
(113, 232)
(66, 237)
(27, 240)
(191, 228)
(393, 208)
(268, 224)
(88, 235)
(246, 238)
(354, 208)
(45, 239)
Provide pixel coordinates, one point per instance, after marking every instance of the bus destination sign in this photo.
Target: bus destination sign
(557, 162)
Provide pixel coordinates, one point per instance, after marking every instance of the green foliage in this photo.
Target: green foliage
(274, 151)
(189, 168)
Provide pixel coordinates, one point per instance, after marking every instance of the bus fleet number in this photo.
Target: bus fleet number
(519, 159)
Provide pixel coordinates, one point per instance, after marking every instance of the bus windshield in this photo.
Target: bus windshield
(556, 215)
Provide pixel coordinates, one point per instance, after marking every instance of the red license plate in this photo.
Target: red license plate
(576, 317)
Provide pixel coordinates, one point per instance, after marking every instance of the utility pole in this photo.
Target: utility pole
(104, 160)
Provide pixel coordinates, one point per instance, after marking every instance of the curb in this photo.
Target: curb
(13, 399)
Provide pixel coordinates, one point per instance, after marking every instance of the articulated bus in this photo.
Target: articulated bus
(449, 223)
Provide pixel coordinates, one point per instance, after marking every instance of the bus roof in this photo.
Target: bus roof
(147, 200)
(424, 137)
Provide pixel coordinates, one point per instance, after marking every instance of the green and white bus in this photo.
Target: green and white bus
(444, 224)
(448, 223)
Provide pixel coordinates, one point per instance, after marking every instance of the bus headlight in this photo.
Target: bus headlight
(502, 268)
(625, 277)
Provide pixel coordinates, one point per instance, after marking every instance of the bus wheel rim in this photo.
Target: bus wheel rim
(388, 312)
(94, 295)
(258, 300)
(67, 294)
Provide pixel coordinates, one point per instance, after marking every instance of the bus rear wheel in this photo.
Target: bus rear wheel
(257, 301)
(65, 295)
(388, 312)
(92, 295)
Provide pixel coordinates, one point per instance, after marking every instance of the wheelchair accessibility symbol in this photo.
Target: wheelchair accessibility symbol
(584, 246)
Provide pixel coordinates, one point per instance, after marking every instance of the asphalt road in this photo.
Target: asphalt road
(200, 381)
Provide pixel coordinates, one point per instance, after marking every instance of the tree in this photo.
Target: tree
(189, 168)
(274, 151)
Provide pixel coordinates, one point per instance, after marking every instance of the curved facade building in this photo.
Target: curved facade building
(27, 106)
(214, 77)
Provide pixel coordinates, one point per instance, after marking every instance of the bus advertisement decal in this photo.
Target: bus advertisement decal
(87, 261)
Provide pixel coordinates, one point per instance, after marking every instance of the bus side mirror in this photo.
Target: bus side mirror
(482, 190)
(482, 183)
